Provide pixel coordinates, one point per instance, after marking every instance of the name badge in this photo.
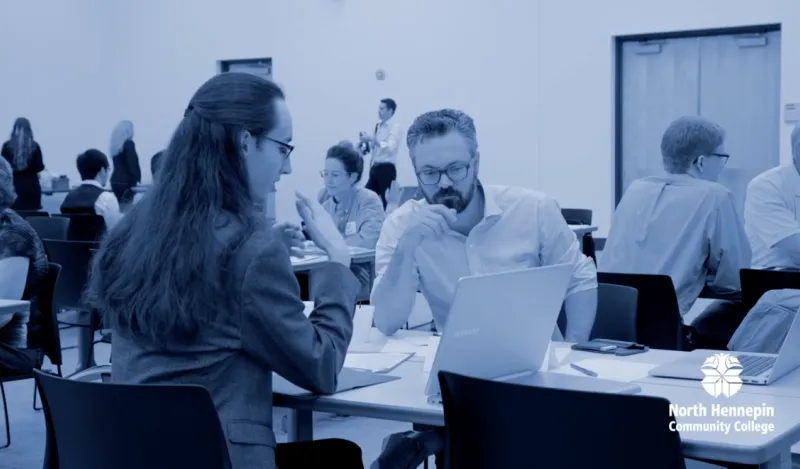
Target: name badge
(350, 228)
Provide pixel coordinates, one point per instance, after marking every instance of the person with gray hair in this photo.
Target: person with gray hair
(18, 239)
(772, 213)
(683, 224)
(463, 227)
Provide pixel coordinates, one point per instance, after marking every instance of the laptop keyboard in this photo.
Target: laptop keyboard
(755, 365)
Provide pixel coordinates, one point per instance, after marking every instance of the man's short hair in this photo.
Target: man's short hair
(91, 162)
(685, 139)
(390, 104)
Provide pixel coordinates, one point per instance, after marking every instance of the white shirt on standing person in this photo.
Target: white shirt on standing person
(384, 140)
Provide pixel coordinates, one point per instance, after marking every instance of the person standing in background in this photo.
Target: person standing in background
(126, 173)
(25, 157)
(383, 144)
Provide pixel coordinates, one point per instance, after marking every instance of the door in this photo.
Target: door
(733, 80)
(740, 90)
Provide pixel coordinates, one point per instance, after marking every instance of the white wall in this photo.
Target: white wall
(55, 67)
(537, 75)
(576, 81)
(325, 54)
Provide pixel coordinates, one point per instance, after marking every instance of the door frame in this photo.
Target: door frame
(619, 41)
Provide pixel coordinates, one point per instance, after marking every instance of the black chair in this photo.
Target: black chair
(50, 227)
(97, 425)
(51, 346)
(84, 227)
(489, 425)
(582, 216)
(32, 213)
(757, 282)
(659, 323)
(74, 258)
(616, 313)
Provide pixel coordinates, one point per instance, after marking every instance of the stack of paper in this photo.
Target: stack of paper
(375, 362)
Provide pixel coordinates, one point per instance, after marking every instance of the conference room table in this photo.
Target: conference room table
(404, 400)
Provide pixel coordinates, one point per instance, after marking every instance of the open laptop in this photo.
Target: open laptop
(756, 368)
(500, 326)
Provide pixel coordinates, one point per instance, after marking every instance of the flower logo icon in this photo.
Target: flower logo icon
(722, 375)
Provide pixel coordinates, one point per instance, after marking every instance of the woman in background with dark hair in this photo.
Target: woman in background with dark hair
(197, 288)
(358, 212)
(126, 173)
(25, 157)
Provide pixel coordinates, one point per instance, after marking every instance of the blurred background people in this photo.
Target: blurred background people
(25, 157)
(126, 173)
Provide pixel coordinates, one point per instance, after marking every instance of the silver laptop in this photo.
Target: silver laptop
(756, 368)
(500, 326)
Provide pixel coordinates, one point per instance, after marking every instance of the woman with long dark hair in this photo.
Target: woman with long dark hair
(197, 288)
(25, 157)
(126, 173)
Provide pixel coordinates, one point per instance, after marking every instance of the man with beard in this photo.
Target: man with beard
(461, 228)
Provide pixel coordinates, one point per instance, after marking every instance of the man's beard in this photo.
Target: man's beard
(452, 199)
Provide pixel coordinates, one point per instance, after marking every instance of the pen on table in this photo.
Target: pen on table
(583, 370)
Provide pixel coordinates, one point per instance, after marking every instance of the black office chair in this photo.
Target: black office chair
(757, 282)
(659, 323)
(51, 340)
(74, 258)
(50, 227)
(84, 227)
(489, 424)
(32, 213)
(97, 425)
(582, 216)
(616, 313)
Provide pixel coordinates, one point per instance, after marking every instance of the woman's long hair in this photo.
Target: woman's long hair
(159, 275)
(22, 144)
(122, 132)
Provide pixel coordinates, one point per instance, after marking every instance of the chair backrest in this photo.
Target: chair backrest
(659, 323)
(757, 282)
(50, 227)
(13, 277)
(616, 313)
(489, 424)
(52, 337)
(32, 213)
(74, 258)
(84, 227)
(124, 426)
(577, 216)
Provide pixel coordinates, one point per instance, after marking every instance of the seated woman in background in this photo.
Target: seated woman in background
(18, 239)
(126, 173)
(25, 157)
(198, 289)
(358, 212)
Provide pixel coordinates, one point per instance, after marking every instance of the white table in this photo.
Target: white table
(359, 256)
(404, 400)
(581, 230)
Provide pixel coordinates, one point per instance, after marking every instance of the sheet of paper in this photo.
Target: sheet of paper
(430, 353)
(374, 362)
(615, 370)
(407, 342)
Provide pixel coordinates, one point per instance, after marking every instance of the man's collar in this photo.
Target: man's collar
(490, 206)
(91, 182)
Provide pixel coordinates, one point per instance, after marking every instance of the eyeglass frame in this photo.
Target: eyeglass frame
(724, 156)
(289, 147)
(445, 171)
